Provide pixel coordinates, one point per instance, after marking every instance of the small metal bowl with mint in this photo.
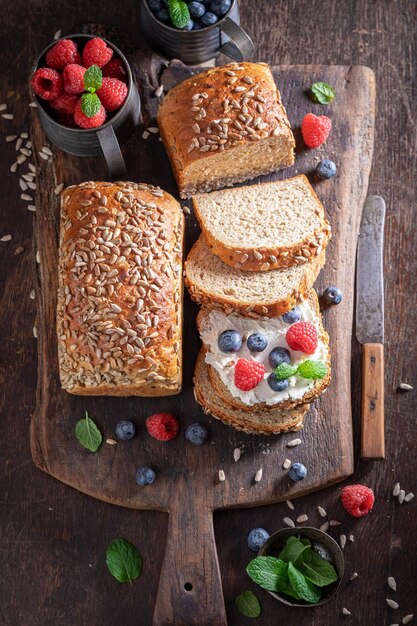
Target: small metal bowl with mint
(300, 567)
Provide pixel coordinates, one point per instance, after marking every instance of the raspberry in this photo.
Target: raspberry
(73, 77)
(47, 83)
(66, 103)
(162, 426)
(96, 52)
(315, 130)
(61, 54)
(302, 337)
(248, 374)
(115, 69)
(81, 119)
(358, 500)
(112, 93)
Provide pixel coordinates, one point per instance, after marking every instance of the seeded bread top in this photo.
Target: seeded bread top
(221, 108)
(119, 298)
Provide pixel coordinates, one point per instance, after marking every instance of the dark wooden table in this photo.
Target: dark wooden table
(53, 539)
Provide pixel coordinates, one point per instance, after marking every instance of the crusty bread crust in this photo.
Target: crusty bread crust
(268, 258)
(273, 308)
(270, 422)
(211, 112)
(119, 311)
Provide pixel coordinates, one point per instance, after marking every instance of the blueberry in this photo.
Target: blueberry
(332, 295)
(220, 7)
(257, 342)
(125, 430)
(209, 18)
(196, 434)
(278, 356)
(144, 476)
(196, 9)
(189, 25)
(230, 341)
(323, 552)
(277, 385)
(293, 316)
(198, 25)
(155, 5)
(257, 538)
(326, 169)
(162, 15)
(297, 471)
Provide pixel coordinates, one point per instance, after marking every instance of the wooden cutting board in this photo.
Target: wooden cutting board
(187, 485)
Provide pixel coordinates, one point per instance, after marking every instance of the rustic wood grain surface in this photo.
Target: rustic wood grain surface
(53, 538)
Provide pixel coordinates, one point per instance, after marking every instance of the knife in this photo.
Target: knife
(370, 325)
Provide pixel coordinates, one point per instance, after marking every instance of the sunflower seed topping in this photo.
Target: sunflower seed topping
(288, 522)
(302, 518)
(258, 475)
(321, 511)
(290, 505)
(237, 454)
(392, 603)
(392, 583)
(346, 611)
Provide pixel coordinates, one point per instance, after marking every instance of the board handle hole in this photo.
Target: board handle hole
(188, 587)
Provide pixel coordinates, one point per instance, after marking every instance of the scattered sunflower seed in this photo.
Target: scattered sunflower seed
(405, 387)
(47, 150)
(286, 464)
(27, 197)
(58, 189)
(258, 475)
(396, 490)
(407, 619)
(186, 210)
(342, 541)
(145, 134)
(10, 138)
(21, 159)
(409, 497)
(334, 522)
(290, 505)
(33, 105)
(293, 443)
(153, 129)
(236, 454)
(288, 521)
(22, 184)
(19, 250)
(3, 107)
(13, 167)
(392, 603)
(159, 91)
(24, 135)
(32, 168)
(8, 116)
(321, 511)
(58, 34)
(28, 144)
(351, 538)
(35, 332)
(222, 476)
(25, 151)
(111, 442)
(43, 156)
(302, 518)
(32, 186)
(401, 496)
(31, 207)
(6, 238)
(19, 143)
(392, 583)
(32, 294)
(354, 575)
(38, 257)
(325, 527)
(345, 611)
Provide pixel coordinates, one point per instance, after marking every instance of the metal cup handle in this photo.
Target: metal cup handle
(111, 152)
(240, 47)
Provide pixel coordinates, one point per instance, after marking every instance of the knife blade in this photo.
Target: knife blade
(370, 325)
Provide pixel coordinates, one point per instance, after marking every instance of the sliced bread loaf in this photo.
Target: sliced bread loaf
(267, 422)
(264, 227)
(252, 294)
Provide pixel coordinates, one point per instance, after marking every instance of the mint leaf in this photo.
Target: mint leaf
(317, 570)
(289, 591)
(123, 560)
(268, 572)
(322, 93)
(303, 587)
(179, 13)
(90, 104)
(312, 369)
(293, 550)
(88, 434)
(93, 78)
(284, 371)
(248, 604)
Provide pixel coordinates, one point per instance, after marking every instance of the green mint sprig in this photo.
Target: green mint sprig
(90, 102)
(248, 604)
(123, 561)
(179, 13)
(88, 434)
(323, 93)
(309, 369)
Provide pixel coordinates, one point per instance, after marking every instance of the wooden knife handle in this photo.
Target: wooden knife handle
(372, 439)
(190, 590)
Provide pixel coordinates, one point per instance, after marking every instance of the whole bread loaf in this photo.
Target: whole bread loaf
(223, 126)
(119, 308)
(264, 227)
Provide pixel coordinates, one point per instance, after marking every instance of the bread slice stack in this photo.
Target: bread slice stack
(258, 256)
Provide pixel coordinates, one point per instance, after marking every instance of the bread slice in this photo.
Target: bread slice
(252, 294)
(263, 422)
(223, 126)
(205, 321)
(264, 227)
